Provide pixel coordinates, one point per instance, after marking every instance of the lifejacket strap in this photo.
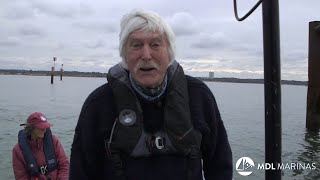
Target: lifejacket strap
(117, 165)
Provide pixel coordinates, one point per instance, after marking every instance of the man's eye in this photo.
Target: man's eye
(136, 45)
(155, 45)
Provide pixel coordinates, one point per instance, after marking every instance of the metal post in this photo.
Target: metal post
(313, 99)
(54, 62)
(52, 69)
(272, 85)
(61, 71)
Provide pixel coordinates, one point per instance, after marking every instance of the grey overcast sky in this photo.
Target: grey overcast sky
(83, 35)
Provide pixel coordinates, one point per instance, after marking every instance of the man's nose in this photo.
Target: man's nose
(146, 53)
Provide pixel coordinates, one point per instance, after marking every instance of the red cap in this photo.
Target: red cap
(39, 120)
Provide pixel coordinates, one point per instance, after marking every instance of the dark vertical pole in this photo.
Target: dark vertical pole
(54, 62)
(61, 71)
(313, 99)
(52, 69)
(272, 81)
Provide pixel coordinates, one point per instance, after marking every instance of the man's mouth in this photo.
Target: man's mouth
(147, 69)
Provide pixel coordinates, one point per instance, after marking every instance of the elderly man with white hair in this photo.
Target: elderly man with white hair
(150, 121)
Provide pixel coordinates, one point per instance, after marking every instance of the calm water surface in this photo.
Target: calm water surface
(241, 107)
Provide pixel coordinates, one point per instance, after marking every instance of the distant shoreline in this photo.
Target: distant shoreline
(102, 75)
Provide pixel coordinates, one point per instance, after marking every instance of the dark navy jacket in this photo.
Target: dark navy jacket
(88, 156)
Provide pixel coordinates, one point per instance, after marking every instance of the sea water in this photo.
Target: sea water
(241, 107)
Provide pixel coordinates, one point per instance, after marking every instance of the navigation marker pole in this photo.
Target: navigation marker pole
(52, 69)
(61, 71)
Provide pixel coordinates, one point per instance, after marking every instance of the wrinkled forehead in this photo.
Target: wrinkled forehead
(142, 35)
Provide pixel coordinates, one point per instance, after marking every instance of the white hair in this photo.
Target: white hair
(147, 21)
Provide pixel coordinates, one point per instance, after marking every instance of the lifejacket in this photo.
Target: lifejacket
(128, 136)
(29, 158)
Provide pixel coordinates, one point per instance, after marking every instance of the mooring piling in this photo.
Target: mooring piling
(313, 97)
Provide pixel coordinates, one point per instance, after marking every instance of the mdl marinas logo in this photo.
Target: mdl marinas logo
(244, 166)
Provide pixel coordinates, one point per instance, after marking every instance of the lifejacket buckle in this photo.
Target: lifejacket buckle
(44, 169)
(159, 142)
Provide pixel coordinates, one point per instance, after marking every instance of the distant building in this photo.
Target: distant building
(211, 75)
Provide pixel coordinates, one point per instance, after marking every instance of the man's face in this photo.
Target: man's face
(147, 57)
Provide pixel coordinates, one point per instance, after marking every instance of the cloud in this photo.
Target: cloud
(18, 11)
(97, 26)
(35, 63)
(101, 62)
(295, 56)
(62, 9)
(207, 34)
(31, 30)
(221, 68)
(94, 45)
(10, 41)
(210, 41)
(247, 50)
(183, 24)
